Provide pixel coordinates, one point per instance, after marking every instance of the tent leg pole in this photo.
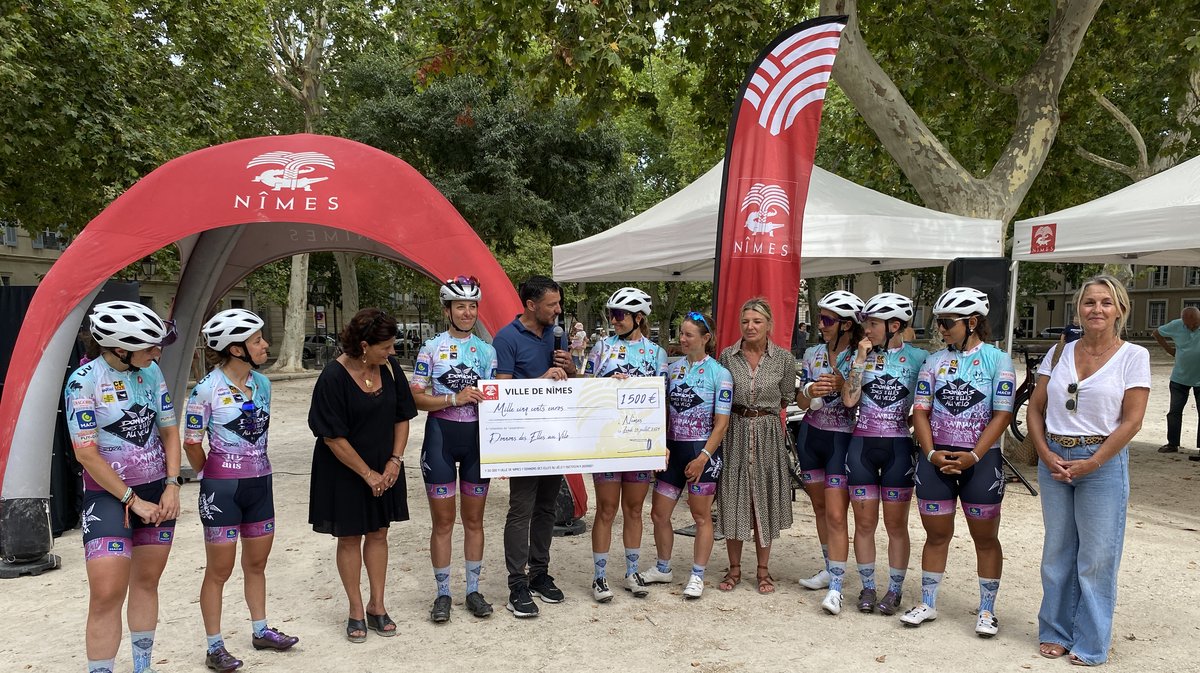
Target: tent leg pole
(1017, 473)
(1013, 273)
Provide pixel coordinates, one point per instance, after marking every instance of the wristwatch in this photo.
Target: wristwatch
(177, 480)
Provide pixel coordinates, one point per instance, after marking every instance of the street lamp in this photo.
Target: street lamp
(149, 266)
(317, 297)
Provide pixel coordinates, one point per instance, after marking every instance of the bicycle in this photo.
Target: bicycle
(1034, 354)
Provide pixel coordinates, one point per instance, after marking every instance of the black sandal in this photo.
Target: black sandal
(379, 624)
(356, 626)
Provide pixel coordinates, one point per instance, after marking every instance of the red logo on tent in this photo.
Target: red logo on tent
(292, 171)
(1043, 239)
(491, 392)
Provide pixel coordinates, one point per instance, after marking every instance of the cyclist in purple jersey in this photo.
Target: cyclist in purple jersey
(963, 403)
(880, 456)
(699, 394)
(628, 353)
(824, 435)
(444, 385)
(232, 405)
(122, 426)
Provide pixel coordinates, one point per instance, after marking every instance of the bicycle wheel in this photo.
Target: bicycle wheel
(1017, 425)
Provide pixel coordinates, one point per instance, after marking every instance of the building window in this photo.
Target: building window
(1159, 277)
(848, 283)
(1156, 314)
(5, 280)
(1025, 321)
(1192, 303)
(50, 240)
(10, 235)
(1192, 279)
(237, 303)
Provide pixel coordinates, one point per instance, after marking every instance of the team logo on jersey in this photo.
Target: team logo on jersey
(1005, 389)
(458, 378)
(886, 390)
(833, 481)
(589, 368)
(269, 527)
(860, 492)
(625, 368)
(957, 396)
(86, 419)
(116, 546)
(440, 491)
(683, 397)
(249, 424)
(726, 395)
(122, 394)
(932, 507)
(922, 387)
(164, 536)
(167, 405)
(195, 422)
(422, 368)
(134, 426)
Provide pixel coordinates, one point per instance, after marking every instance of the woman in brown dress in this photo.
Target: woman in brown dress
(754, 492)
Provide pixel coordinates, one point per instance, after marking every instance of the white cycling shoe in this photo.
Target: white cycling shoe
(600, 590)
(656, 576)
(694, 587)
(919, 615)
(818, 581)
(833, 602)
(635, 585)
(988, 625)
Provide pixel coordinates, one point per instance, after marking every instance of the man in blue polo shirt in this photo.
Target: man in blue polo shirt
(526, 349)
(1184, 334)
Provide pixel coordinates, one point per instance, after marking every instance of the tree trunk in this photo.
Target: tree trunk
(936, 175)
(295, 319)
(346, 269)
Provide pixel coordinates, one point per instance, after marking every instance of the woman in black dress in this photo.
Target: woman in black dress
(359, 413)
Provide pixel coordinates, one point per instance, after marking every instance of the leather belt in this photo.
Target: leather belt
(753, 412)
(1069, 442)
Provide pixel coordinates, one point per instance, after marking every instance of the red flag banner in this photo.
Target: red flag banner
(768, 162)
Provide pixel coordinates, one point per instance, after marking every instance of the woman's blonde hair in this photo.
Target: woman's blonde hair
(1116, 289)
(758, 305)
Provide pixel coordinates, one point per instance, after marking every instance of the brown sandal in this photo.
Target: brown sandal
(732, 578)
(766, 583)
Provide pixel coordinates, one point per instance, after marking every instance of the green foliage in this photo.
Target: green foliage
(505, 165)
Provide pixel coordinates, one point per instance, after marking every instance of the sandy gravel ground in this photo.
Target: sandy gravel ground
(1157, 623)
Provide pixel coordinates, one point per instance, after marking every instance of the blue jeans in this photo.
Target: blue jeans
(1085, 533)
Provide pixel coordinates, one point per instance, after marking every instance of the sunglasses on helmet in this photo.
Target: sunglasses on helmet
(697, 317)
(171, 334)
(466, 281)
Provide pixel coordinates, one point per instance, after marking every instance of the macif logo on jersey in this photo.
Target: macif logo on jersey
(292, 172)
(766, 208)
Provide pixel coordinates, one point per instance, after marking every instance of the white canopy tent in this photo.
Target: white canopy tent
(1154, 221)
(848, 228)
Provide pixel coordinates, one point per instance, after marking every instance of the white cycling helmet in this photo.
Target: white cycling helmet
(230, 327)
(461, 288)
(962, 301)
(128, 325)
(842, 303)
(888, 306)
(630, 299)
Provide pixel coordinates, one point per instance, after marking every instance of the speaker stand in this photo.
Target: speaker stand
(13, 570)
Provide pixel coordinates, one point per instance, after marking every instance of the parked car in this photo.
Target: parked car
(323, 345)
(1050, 333)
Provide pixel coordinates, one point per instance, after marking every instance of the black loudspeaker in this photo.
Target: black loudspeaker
(989, 275)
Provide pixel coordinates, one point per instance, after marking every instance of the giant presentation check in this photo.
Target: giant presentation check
(538, 426)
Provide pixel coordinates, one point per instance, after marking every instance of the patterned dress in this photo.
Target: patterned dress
(756, 484)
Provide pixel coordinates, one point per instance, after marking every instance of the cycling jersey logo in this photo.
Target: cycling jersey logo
(166, 402)
(624, 368)
(684, 397)
(726, 395)
(886, 390)
(195, 422)
(1005, 389)
(458, 378)
(922, 387)
(422, 368)
(249, 425)
(134, 426)
(957, 396)
(86, 419)
(766, 203)
(116, 546)
(1044, 236)
(164, 536)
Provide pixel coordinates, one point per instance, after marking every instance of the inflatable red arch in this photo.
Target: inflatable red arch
(231, 208)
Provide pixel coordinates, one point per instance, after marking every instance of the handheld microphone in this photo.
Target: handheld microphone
(558, 337)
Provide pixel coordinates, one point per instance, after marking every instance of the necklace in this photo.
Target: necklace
(1099, 355)
(366, 376)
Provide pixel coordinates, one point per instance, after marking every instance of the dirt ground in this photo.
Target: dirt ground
(43, 617)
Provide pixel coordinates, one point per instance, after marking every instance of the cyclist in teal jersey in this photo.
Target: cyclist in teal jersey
(232, 405)
(824, 435)
(444, 382)
(699, 398)
(880, 457)
(629, 352)
(964, 401)
(122, 425)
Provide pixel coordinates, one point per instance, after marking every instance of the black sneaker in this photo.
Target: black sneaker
(440, 612)
(543, 587)
(478, 605)
(521, 604)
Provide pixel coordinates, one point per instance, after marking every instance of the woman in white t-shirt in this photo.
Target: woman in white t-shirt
(1086, 408)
